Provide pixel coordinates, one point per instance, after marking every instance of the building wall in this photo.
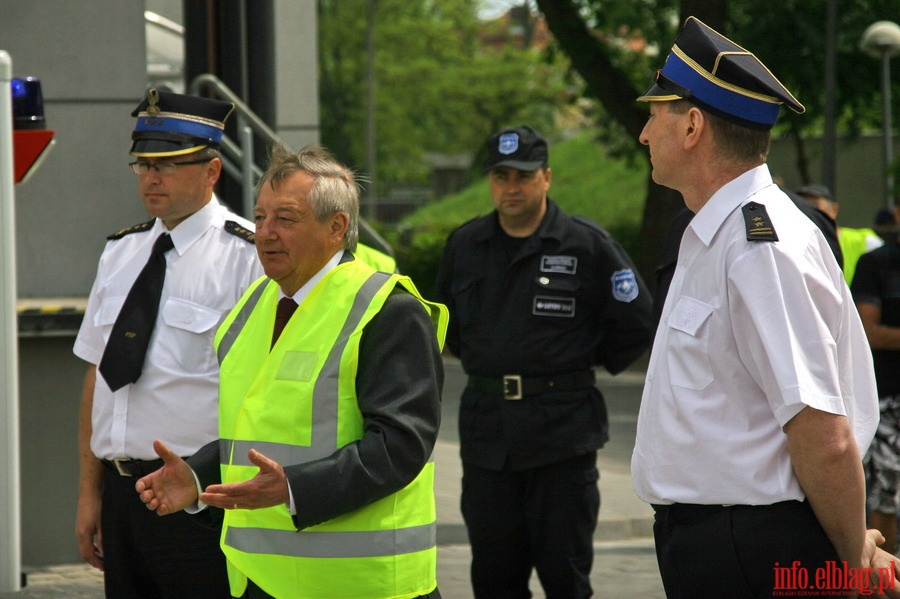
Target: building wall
(859, 177)
(91, 80)
(296, 66)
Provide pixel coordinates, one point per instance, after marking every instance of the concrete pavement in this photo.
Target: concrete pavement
(625, 561)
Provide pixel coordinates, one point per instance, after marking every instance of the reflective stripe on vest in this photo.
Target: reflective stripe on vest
(373, 543)
(236, 452)
(241, 319)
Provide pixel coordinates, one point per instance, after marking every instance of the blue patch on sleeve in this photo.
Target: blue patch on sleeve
(624, 285)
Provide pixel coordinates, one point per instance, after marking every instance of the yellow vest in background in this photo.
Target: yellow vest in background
(854, 243)
(375, 259)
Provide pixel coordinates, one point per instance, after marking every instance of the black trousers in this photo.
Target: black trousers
(741, 552)
(157, 557)
(542, 519)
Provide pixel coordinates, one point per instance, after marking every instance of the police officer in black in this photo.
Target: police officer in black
(536, 299)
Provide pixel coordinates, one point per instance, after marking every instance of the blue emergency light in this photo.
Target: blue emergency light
(31, 139)
(28, 103)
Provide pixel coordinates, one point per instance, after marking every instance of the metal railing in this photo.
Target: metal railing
(238, 157)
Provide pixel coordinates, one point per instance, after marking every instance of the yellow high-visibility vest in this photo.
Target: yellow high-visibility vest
(296, 404)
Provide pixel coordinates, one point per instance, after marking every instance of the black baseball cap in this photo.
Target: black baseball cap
(521, 148)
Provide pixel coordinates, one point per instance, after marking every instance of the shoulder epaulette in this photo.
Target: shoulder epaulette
(756, 219)
(135, 229)
(238, 230)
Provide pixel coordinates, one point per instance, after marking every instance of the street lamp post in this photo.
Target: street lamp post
(882, 40)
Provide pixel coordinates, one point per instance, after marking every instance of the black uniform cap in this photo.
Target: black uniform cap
(170, 124)
(521, 148)
(713, 72)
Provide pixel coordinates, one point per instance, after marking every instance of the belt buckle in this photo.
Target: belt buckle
(512, 386)
(120, 466)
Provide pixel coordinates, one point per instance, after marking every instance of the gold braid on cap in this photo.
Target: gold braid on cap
(152, 101)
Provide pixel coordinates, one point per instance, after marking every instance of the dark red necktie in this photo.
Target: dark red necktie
(123, 357)
(286, 307)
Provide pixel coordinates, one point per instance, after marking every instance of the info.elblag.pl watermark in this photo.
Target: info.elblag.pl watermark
(833, 579)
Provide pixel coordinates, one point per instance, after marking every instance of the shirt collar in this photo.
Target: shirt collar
(314, 280)
(193, 227)
(736, 192)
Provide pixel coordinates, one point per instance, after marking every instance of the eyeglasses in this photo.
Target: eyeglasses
(163, 168)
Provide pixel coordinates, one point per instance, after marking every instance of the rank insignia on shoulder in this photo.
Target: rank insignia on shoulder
(759, 227)
(135, 229)
(239, 231)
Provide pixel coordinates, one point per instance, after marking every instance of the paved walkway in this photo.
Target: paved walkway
(624, 569)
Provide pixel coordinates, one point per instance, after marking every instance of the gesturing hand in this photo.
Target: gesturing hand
(269, 487)
(172, 487)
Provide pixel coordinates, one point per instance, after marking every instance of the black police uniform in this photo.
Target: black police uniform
(877, 281)
(528, 319)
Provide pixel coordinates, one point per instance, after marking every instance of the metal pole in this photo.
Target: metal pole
(248, 182)
(829, 152)
(10, 526)
(371, 196)
(888, 142)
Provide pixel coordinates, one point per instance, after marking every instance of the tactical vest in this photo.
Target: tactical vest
(296, 404)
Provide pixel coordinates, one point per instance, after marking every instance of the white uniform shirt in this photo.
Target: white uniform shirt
(751, 333)
(176, 397)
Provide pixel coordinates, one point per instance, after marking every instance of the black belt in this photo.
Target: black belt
(694, 510)
(127, 467)
(515, 386)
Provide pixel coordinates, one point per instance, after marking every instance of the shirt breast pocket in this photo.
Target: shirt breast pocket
(107, 313)
(687, 353)
(187, 341)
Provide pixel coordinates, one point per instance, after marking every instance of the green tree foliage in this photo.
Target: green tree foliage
(789, 36)
(438, 87)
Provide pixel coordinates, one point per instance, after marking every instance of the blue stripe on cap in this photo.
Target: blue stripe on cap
(176, 125)
(726, 100)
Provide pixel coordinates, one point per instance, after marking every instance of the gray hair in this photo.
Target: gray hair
(335, 189)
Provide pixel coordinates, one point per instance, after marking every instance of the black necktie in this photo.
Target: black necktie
(286, 307)
(123, 358)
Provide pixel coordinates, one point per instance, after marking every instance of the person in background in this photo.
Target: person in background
(147, 336)
(854, 242)
(536, 299)
(329, 408)
(876, 292)
(760, 392)
(885, 224)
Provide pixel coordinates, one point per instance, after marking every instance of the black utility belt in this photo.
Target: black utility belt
(515, 386)
(128, 467)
